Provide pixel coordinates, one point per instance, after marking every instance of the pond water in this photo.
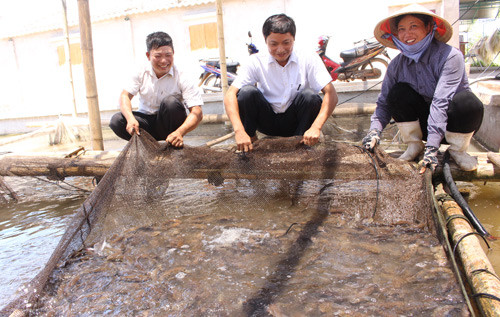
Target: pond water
(30, 229)
(485, 203)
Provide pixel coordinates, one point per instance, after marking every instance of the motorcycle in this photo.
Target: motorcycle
(361, 62)
(252, 49)
(210, 79)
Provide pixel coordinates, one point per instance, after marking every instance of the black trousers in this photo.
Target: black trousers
(256, 113)
(170, 116)
(465, 111)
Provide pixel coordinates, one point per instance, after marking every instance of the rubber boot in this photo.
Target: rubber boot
(411, 134)
(459, 142)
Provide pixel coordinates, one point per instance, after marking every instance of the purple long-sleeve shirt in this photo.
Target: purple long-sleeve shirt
(438, 76)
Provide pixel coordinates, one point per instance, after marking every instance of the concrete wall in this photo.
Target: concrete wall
(489, 133)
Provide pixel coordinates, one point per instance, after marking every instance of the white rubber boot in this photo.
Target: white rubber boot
(411, 134)
(459, 143)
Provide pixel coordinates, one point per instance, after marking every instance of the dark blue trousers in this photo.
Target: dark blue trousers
(170, 116)
(257, 114)
(465, 111)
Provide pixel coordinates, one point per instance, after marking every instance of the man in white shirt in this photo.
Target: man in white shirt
(285, 101)
(164, 94)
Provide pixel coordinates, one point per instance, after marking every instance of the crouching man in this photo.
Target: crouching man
(164, 94)
(285, 100)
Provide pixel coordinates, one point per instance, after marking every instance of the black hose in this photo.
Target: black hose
(455, 193)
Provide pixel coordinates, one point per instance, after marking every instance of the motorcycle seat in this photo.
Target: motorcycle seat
(353, 53)
(231, 66)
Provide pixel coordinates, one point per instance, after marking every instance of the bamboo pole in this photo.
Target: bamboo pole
(68, 55)
(219, 140)
(476, 265)
(90, 80)
(215, 118)
(222, 47)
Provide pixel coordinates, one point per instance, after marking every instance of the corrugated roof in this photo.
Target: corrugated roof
(15, 24)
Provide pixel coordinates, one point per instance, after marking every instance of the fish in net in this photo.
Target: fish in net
(283, 230)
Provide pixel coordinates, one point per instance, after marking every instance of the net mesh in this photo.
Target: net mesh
(286, 229)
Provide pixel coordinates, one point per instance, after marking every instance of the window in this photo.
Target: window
(203, 36)
(75, 54)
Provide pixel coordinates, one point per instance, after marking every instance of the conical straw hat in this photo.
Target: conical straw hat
(443, 32)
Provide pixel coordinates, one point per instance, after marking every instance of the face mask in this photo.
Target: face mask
(415, 51)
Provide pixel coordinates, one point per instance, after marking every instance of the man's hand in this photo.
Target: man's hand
(175, 139)
(243, 141)
(311, 136)
(371, 139)
(132, 126)
(430, 159)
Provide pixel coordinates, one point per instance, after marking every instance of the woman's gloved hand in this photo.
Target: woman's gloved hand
(430, 159)
(371, 139)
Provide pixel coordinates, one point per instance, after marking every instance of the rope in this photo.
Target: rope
(484, 71)
(469, 234)
(486, 295)
(450, 218)
(362, 92)
(468, 9)
(76, 188)
(485, 271)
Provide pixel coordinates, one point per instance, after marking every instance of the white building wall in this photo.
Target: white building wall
(35, 84)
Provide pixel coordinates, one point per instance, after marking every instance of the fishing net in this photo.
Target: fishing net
(285, 230)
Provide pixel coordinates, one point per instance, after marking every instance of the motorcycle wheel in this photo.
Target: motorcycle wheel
(373, 64)
(212, 85)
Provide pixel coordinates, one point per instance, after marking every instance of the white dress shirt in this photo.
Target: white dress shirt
(152, 90)
(280, 84)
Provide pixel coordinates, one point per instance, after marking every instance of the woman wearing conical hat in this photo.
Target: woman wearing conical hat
(425, 89)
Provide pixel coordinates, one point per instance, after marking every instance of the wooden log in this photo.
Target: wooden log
(476, 265)
(350, 109)
(215, 118)
(56, 166)
(486, 170)
(494, 158)
(96, 163)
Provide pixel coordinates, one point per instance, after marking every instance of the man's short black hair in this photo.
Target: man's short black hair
(278, 23)
(158, 39)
